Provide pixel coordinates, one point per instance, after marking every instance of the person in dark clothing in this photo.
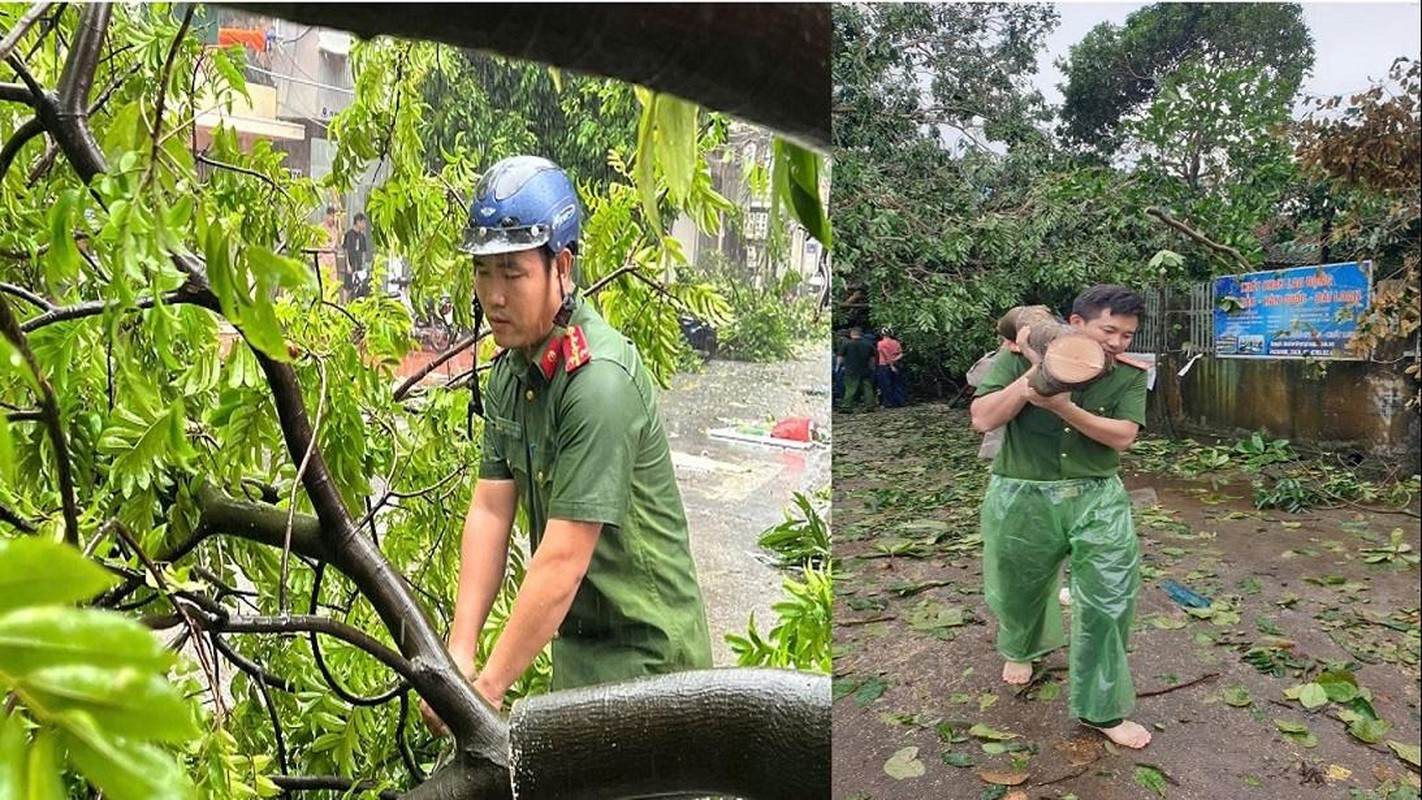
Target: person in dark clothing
(857, 358)
(357, 247)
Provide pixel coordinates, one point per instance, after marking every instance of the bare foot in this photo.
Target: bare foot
(1016, 672)
(1127, 734)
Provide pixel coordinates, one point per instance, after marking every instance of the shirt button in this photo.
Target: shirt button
(1066, 430)
(1064, 455)
(528, 395)
(539, 476)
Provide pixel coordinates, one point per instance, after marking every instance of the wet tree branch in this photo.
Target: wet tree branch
(13, 518)
(95, 307)
(26, 295)
(53, 424)
(1223, 250)
(292, 624)
(21, 28)
(438, 361)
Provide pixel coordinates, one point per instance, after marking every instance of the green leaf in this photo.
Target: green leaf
(1312, 696)
(643, 172)
(12, 755)
(1339, 685)
(870, 691)
(905, 764)
(1150, 778)
(124, 771)
(63, 255)
(36, 572)
(140, 704)
(994, 748)
(42, 779)
(1370, 731)
(35, 638)
(676, 144)
(1237, 696)
(956, 759)
(981, 731)
(288, 273)
(1049, 692)
(260, 326)
(1286, 726)
(1406, 752)
(796, 180)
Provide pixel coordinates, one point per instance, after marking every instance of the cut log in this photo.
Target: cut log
(1070, 359)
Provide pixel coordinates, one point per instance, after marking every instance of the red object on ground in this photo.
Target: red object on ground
(796, 429)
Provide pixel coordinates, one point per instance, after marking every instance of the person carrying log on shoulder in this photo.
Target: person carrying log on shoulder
(1056, 492)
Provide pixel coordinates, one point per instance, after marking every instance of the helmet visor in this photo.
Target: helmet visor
(480, 240)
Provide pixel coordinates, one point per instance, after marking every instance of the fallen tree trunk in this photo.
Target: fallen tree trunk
(753, 733)
(768, 63)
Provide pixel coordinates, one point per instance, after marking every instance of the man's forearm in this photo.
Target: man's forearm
(543, 601)
(483, 553)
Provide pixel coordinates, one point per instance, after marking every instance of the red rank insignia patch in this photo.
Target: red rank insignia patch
(575, 349)
(549, 362)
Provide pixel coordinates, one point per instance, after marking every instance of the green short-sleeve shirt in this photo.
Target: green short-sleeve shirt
(589, 446)
(1038, 446)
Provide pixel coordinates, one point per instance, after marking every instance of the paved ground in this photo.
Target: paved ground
(733, 491)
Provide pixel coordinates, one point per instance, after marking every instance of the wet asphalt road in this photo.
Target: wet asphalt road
(733, 491)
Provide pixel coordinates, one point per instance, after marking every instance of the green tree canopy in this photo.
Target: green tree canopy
(1114, 72)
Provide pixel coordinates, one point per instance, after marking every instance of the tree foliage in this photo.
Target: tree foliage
(936, 238)
(1113, 73)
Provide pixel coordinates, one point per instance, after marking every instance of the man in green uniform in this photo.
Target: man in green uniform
(857, 358)
(572, 433)
(1055, 492)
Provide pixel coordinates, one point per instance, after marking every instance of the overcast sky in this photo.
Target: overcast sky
(1352, 41)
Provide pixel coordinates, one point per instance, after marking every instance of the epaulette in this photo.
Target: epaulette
(571, 347)
(1122, 358)
(575, 349)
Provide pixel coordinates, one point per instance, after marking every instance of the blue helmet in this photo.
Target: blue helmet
(523, 202)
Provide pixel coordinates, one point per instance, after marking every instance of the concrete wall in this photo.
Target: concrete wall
(1346, 406)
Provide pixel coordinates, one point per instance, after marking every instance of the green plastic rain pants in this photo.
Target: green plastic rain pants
(1029, 527)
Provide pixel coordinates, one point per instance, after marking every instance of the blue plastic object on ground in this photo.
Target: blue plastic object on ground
(1184, 596)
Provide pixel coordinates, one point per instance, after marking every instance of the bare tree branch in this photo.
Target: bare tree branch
(22, 27)
(1225, 250)
(53, 424)
(13, 517)
(438, 361)
(164, 77)
(92, 308)
(26, 295)
(302, 623)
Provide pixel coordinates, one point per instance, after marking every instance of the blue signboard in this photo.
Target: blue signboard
(1303, 312)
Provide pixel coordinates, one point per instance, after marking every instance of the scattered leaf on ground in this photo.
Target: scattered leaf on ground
(904, 764)
(955, 759)
(870, 691)
(1370, 731)
(1237, 696)
(1004, 778)
(981, 731)
(1406, 752)
(1151, 778)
